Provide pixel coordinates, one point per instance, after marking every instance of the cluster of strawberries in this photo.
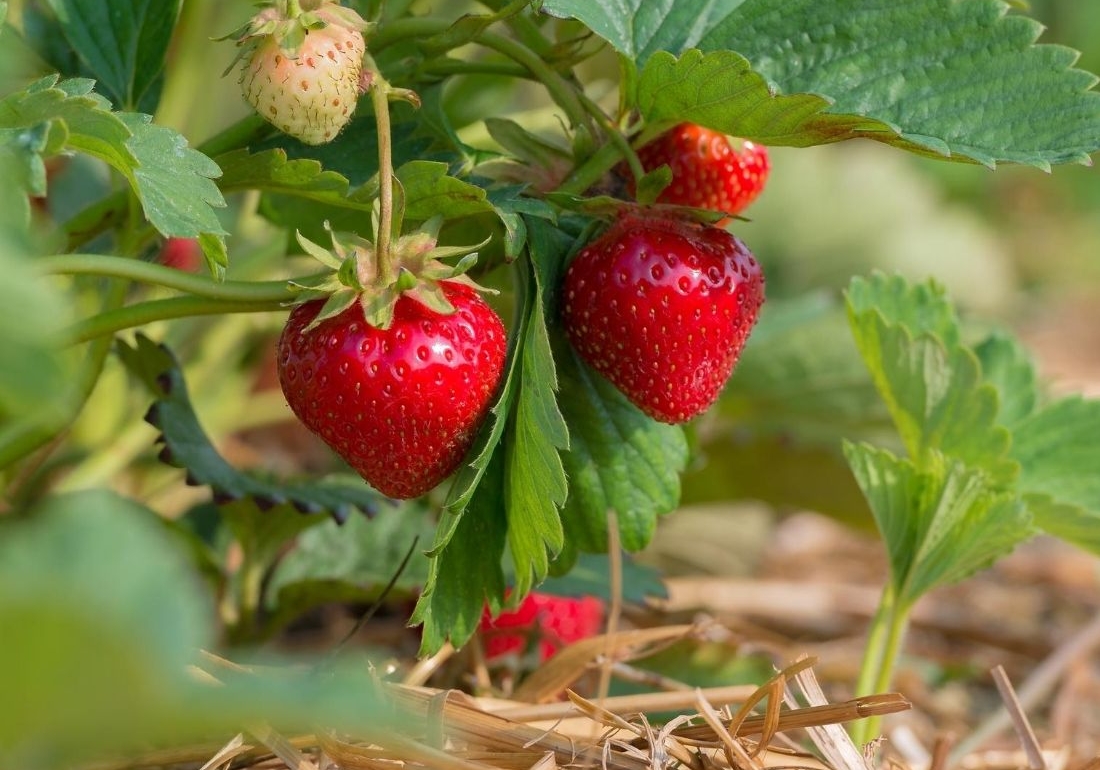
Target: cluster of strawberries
(660, 303)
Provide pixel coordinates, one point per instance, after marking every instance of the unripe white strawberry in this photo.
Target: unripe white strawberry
(302, 67)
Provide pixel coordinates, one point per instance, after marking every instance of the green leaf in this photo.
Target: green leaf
(801, 377)
(272, 171)
(174, 181)
(536, 486)
(99, 614)
(102, 617)
(1008, 367)
(639, 28)
(92, 127)
(1059, 456)
(122, 44)
(466, 575)
(931, 384)
(941, 522)
(720, 90)
(430, 192)
(187, 446)
(618, 460)
(591, 576)
(349, 562)
(958, 79)
(948, 79)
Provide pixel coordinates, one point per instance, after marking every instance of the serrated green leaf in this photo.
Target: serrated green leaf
(536, 486)
(123, 45)
(93, 128)
(1059, 457)
(932, 386)
(187, 446)
(719, 90)
(639, 28)
(430, 191)
(273, 172)
(956, 80)
(466, 575)
(1008, 367)
(174, 182)
(941, 522)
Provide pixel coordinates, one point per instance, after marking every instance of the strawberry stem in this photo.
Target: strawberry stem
(379, 92)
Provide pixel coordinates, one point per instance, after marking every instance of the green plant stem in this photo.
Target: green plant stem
(884, 642)
(615, 137)
(142, 313)
(380, 99)
(160, 275)
(561, 91)
(249, 597)
(590, 172)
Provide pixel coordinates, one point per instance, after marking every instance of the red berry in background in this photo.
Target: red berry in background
(709, 169)
(182, 254)
(401, 405)
(662, 308)
(551, 622)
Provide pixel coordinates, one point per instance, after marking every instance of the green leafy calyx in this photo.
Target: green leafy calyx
(355, 274)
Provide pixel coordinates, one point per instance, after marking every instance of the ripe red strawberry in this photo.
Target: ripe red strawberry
(551, 622)
(181, 253)
(303, 69)
(708, 170)
(662, 308)
(402, 404)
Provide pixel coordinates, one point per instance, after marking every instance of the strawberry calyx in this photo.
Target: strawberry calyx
(610, 208)
(414, 268)
(288, 22)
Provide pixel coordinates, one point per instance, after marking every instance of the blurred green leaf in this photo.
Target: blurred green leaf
(941, 522)
(1059, 456)
(122, 44)
(1008, 367)
(801, 378)
(102, 616)
(591, 576)
(931, 384)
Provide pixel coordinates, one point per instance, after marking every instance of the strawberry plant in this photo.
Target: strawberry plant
(477, 289)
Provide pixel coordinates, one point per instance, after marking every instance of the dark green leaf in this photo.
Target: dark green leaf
(187, 446)
(122, 43)
(466, 575)
(271, 171)
(591, 576)
(536, 486)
